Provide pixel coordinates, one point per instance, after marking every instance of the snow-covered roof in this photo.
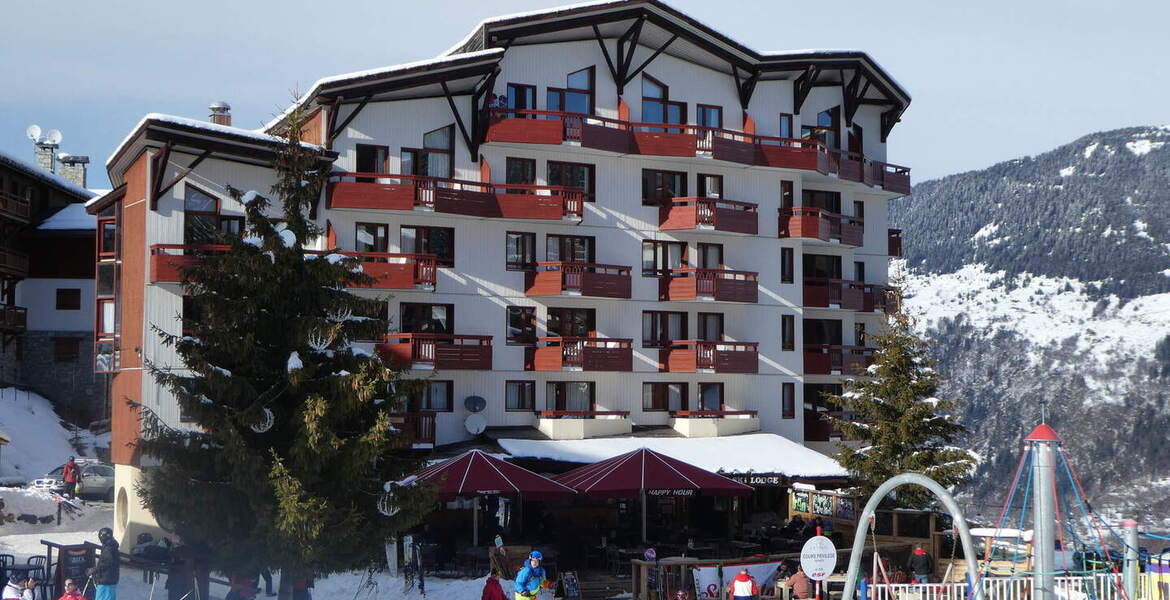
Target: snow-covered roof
(72, 216)
(253, 134)
(747, 453)
(528, 14)
(52, 179)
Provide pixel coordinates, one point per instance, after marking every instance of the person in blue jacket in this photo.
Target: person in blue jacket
(531, 578)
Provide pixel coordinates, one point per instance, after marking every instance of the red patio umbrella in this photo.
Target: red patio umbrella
(475, 473)
(645, 472)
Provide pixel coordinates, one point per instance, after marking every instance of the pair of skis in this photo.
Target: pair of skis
(413, 569)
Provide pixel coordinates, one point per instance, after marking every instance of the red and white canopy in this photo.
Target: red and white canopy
(644, 470)
(475, 473)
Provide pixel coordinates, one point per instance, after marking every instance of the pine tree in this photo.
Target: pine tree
(290, 444)
(894, 420)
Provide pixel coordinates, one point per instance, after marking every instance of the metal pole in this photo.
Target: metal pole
(1043, 522)
(475, 522)
(643, 516)
(1130, 574)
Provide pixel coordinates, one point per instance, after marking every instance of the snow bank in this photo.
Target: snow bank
(749, 453)
(39, 442)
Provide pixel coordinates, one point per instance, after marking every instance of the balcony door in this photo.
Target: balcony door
(660, 186)
(659, 257)
(822, 266)
(711, 327)
(417, 317)
(822, 332)
(575, 396)
(711, 396)
(572, 322)
(372, 159)
(828, 201)
(657, 107)
(710, 256)
(435, 158)
(569, 248)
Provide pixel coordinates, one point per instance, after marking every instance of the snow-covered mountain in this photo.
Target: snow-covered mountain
(1046, 280)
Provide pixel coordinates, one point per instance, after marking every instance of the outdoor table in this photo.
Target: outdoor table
(25, 570)
(744, 546)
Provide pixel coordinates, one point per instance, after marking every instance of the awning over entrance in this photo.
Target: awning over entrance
(646, 471)
(476, 473)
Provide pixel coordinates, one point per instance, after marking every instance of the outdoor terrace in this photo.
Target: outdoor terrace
(721, 285)
(559, 278)
(813, 223)
(383, 191)
(821, 292)
(429, 351)
(696, 213)
(14, 207)
(826, 359)
(13, 319)
(13, 263)
(701, 356)
(580, 354)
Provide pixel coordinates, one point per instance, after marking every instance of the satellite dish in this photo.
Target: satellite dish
(387, 504)
(474, 403)
(475, 424)
(33, 132)
(267, 420)
(53, 137)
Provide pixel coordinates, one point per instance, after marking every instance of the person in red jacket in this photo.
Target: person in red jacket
(492, 589)
(71, 591)
(71, 475)
(743, 587)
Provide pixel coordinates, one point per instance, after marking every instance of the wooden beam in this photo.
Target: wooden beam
(888, 120)
(605, 52)
(877, 102)
(459, 119)
(185, 172)
(630, 76)
(744, 88)
(626, 45)
(479, 109)
(333, 133)
(330, 122)
(849, 96)
(156, 173)
(802, 86)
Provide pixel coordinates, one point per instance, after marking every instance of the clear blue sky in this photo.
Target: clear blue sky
(991, 80)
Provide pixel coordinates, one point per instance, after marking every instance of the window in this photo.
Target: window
(710, 186)
(372, 159)
(660, 328)
(856, 139)
(822, 331)
(200, 216)
(710, 256)
(859, 271)
(710, 116)
(711, 396)
(577, 95)
(191, 317)
(66, 350)
(859, 334)
(711, 327)
(416, 317)
(787, 400)
(520, 171)
(657, 107)
(787, 332)
(371, 237)
(521, 97)
(575, 396)
(830, 201)
(659, 257)
(520, 395)
(859, 209)
(572, 322)
(787, 271)
(439, 241)
(432, 396)
(521, 325)
(107, 243)
(658, 396)
(785, 125)
(786, 194)
(568, 248)
(520, 251)
(434, 159)
(659, 186)
(231, 226)
(822, 265)
(578, 175)
(68, 299)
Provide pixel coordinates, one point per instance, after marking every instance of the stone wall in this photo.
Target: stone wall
(77, 393)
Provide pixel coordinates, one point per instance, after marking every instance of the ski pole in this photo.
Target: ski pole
(87, 582)
(151, 596)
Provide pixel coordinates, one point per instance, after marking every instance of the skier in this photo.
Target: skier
(105, 574)
(492, 589)
(743, 587)
(921, 564)
(71, 475)
(531, 578)
(71, 591)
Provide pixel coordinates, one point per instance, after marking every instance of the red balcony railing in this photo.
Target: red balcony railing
(708, 213)
(167, 261)
(894, 243)
(13, 263)
(13, 319)
(673, 139)
(692, 356)
(581, 354)
(455, 196)
(14, 207)
(554, 278)
(437, 351)
(880, 298)
(398, 271)
(815, 223)
(583, 414)
(711, 414)
(716, 284)
(418, 427)
(826, 359)
(821, 292)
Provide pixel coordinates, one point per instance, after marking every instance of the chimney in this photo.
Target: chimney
(221, 113)
(73, 168)
(46, 153)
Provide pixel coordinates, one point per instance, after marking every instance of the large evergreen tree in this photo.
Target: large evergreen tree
(894, 421)
(289, 442)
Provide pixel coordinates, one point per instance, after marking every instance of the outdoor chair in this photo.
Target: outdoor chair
(38, 562)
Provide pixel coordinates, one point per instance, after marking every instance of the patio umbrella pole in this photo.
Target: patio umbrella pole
(643, 516)
(475, 522)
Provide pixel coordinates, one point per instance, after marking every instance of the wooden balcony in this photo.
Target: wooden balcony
(14, 207)
(398, 271)
(557, 278)
(683, 140)
(880, 298)
(825, 359)
(821, 292)
(700, 356)
(894, 243)
(719, 285)
(167, 261)
(417, 427)
(13, 319)
(813, 223)
(427, 351)
(13, 263)
(694, 213)
(383, 191)
(580, 354)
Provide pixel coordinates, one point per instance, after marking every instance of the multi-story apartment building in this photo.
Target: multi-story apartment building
(597, 218)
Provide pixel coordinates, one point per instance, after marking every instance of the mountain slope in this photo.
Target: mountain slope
(1044, 282)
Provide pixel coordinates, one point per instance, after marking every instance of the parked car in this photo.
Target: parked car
(97, 480)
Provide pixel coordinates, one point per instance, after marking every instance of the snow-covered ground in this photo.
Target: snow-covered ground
(39, 439)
